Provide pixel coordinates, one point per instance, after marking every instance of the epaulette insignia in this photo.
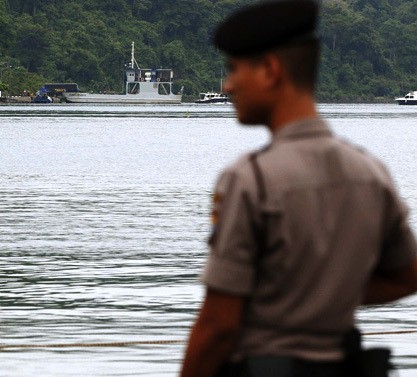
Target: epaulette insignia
(217, 199)
(216, 208)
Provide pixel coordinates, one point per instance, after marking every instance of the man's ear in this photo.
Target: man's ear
(273, 69)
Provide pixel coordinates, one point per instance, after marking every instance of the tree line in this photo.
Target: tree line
(368, 48)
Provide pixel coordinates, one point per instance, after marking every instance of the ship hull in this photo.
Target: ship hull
(121, 98)
(406, 102)
(216, 100)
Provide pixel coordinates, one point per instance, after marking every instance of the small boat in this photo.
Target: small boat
(212, 97)
(42, 98)
(409, 99)
(141, 86)
(53, 92)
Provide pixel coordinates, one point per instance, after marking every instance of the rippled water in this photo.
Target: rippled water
(103, 224)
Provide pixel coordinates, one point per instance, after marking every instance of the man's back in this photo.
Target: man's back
(328, 208)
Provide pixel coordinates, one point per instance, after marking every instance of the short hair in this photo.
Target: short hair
(301, 62)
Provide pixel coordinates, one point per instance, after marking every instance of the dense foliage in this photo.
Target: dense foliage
(368, 45)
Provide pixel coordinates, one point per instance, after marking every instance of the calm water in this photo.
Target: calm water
(104, 219)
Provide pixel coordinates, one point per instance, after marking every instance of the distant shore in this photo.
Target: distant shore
(191, 99)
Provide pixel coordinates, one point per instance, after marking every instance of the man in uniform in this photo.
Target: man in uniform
(305, 230)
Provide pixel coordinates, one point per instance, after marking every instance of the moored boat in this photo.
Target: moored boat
(53, 92)
(212, 97)
(409, 99)
(42, 98)
(141, 86)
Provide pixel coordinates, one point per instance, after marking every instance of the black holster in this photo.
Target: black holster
(373, 362)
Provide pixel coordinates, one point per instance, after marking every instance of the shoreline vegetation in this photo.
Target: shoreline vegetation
(368, 46)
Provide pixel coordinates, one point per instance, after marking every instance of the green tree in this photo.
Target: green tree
(85, 66)
(32, 44)
(6, 26)
(368, 47)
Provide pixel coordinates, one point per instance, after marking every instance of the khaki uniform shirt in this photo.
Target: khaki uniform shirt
(303, 254)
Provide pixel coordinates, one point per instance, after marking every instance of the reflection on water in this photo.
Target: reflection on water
(104, 219)
(85, 266)
(118, 111)
(190, 110)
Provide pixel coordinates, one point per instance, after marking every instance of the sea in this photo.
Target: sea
(104, 220)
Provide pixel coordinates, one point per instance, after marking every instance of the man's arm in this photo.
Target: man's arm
(393, 286)
(213, 335)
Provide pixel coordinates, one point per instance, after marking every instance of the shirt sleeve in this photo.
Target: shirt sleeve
(399, 246)
(230, 266)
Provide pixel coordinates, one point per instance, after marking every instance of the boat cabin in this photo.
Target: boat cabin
(138, 80)
(411, 95)
(56, 89)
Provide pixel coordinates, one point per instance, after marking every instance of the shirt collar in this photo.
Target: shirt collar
(305, 128)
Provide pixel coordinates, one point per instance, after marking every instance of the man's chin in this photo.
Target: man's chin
(249, 117)
(249, 121)
(252, 124)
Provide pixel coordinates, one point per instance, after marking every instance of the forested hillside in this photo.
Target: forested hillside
(369, 49)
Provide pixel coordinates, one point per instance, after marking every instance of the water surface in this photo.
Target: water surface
(104, 216)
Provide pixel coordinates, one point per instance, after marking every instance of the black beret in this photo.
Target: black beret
(267, 25)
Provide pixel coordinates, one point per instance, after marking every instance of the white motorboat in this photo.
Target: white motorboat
(212, 97)
(409, 99)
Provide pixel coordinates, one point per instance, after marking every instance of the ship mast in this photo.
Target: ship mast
(133, 61)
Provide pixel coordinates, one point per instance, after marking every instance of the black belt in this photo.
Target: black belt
(374, 362)
(277, 366)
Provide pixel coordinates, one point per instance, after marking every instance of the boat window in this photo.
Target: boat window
(164, 88)
(133, 88)
(164, 75)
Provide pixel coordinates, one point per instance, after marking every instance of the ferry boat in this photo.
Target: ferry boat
(409, 99)
(212, 97)
(141, 86)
